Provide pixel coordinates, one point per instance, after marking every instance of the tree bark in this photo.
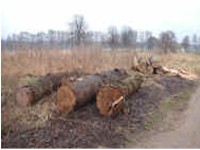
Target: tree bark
(110, 98)
(29, 94)
(83, 90)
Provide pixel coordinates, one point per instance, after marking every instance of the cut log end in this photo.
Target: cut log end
(110, 100)
(24, 96)
(65, 99)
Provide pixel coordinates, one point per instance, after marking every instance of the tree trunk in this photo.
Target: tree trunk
(30, 93)
(110, 98)
(84, 90)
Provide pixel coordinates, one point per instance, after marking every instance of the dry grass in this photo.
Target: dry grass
(41, 62)
(187, 61)
(16, 65)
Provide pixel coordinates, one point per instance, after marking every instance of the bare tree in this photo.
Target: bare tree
(148, 34)
(152, 42)
(113, 37)
(186, 42)
(195, 42)
(168, 41)
(199, 43)
(78, 29)
(128, 37)
(51, 36)
(40, 39)
(141, 39)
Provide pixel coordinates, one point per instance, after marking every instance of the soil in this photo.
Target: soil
(184, 132)
(85, 127)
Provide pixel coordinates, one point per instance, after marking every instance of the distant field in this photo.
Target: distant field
(19, 63)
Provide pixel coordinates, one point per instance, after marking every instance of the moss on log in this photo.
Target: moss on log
(31, 92)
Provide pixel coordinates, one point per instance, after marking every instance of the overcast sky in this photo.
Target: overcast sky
(181, 16)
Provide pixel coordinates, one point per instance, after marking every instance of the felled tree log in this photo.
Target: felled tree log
(158, 68)
(181, 73)
(82, 91)
(153, 66)
(110, 98)
(29, 93)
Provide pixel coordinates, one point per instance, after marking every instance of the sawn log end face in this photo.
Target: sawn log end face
(65, 99)
(110, 100)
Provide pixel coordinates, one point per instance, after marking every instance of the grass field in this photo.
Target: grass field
(41, 62)
(18, 64)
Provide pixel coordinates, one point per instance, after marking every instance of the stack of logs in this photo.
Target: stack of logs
(109, 88)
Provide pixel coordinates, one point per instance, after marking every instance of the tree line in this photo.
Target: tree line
(79, 35)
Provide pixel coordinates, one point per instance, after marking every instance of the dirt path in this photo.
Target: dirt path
(185, 132)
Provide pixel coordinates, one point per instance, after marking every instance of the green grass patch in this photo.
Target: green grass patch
(176, 102)
(31, 80)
